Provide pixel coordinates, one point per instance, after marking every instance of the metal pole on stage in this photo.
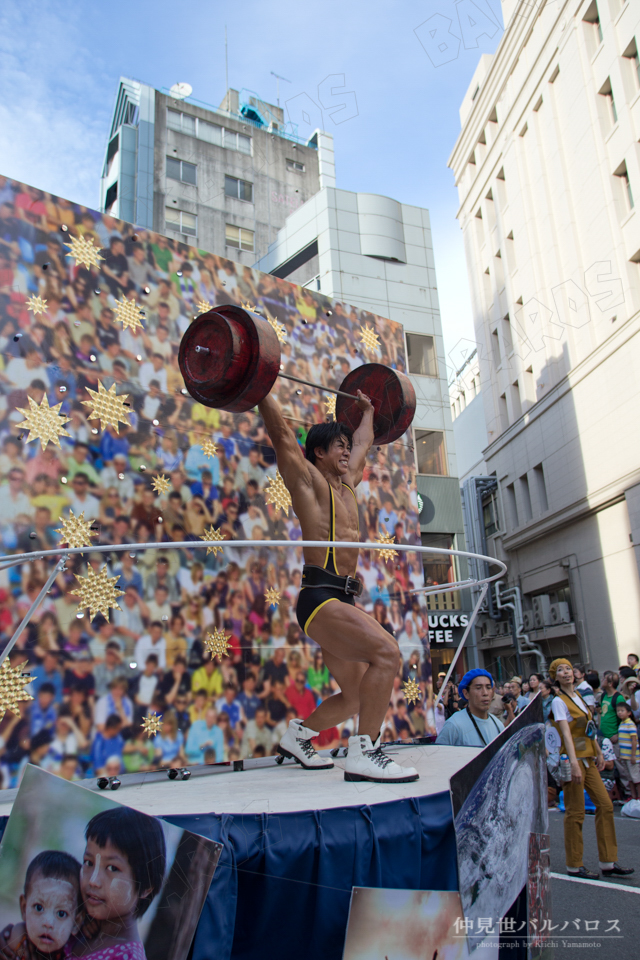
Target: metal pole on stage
(32, 609)
(472, 619)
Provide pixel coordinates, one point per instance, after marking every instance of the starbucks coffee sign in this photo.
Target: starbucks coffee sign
(447, 627)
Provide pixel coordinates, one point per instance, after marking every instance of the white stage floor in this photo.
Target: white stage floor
(286, 788)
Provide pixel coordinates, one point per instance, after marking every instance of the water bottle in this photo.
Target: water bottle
(565, 768)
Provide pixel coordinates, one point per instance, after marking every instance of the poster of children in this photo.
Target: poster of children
(84, 876)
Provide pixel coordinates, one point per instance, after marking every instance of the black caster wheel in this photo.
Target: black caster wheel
(103, 783)
(114, 783)
(279, 759)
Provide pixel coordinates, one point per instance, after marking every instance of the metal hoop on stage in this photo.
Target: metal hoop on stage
(62, 554)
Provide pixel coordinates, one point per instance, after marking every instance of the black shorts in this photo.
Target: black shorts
(310, 599)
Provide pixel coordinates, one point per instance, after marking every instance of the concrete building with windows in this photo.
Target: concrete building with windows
(547, 166)
(222, 178)
(376, 253)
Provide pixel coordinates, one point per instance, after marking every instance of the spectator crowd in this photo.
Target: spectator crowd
(94, 681)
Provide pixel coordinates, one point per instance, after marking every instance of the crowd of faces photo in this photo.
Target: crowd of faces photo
(95, 680)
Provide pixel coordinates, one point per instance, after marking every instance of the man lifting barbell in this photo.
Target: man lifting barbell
(360, 654)
(230, 359)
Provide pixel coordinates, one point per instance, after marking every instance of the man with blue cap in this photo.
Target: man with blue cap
(472, 725)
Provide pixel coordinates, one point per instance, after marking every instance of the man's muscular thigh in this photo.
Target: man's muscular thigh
(350, 634)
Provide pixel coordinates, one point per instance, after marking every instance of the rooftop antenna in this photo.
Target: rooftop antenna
(278, 79)
(226, 65)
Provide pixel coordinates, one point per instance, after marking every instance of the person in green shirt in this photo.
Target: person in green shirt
(608, 717)
(318, 675)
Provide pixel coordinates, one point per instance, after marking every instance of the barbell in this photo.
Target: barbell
(230, 359)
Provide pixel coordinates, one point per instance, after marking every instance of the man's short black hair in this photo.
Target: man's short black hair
(141, 839)
(47, 688)
(322, 435)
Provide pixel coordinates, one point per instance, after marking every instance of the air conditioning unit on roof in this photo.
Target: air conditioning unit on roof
(528, 620)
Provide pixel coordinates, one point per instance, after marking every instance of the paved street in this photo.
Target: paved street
(589, 902)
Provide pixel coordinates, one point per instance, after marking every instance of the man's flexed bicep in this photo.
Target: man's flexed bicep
(292, 465)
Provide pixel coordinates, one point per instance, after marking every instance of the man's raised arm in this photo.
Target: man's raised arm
(291, 462)
(362, 440)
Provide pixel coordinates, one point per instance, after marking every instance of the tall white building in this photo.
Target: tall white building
(376, 253)
(547, 166)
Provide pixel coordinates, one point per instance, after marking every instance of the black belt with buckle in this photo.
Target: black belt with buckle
(313, 576)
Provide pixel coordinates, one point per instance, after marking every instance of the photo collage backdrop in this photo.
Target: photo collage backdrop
(93, 682)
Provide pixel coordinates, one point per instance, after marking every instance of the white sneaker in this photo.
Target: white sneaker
(368, 762)
(296, 744)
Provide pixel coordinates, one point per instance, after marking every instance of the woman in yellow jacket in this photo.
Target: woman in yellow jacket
(572, 719)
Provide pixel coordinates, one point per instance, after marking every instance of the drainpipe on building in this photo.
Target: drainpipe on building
(506, 601)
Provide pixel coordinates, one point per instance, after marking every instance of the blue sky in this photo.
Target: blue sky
(60, 63)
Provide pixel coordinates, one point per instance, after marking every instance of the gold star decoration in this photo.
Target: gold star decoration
(277, 493)
(151, 724)
(76, 531)
(369, 339)
(203, 306)
(161, 484)
(272, 597)
(108, 408)
(411, 690)
(44, 422)
(36, 305)
(84, 251)
(386, 554)
(12, 684)
(279, 328)
(330, 404)
(209, 447)
(214, 536)
(97, 592)
(217, 643)
(128, 314)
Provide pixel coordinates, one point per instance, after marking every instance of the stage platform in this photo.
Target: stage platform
(295, 843)
(266, 787)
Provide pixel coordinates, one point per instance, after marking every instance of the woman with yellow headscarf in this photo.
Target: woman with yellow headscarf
(571, 717)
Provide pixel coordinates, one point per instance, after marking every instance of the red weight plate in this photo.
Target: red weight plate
(392, 395)
(242, 363)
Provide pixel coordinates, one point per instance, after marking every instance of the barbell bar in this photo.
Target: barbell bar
(230, 359)
(289, 376)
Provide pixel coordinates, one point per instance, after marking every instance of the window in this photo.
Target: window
(495, 348)
(210, 132)
(593, 17)
(183, 222)
(607, 93)
(541, 488)
(112, 150)
(631, 54)
(512, 509)
(236, 141)
(623, 176)
(181, 170)
(430, 453)
(516, 403)
(240, 189)
(295, 166)
(239, 237)
(111, 197)
(438, 568)
(503, 413)
(421, 353)
(490, 515)
(526, 497)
